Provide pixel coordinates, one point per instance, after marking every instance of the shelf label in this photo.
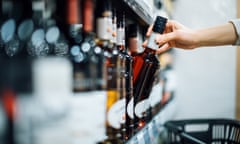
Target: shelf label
(130, 109)
(142, 107)
(116, 114)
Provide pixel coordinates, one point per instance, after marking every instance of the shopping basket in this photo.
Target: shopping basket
(203, 131)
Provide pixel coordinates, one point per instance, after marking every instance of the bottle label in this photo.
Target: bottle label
(109, 28)
(130, 110)
(116, 114)
(151, 41)
(142, 107)
(120, 36)
(114, 33)
(102, 28)
(38, 5)
(156, 95)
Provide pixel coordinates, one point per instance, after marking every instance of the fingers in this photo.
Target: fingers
(165, 38)
(144, 44)
(163, 48)
(149, 30)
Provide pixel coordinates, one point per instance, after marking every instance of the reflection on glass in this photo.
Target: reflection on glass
(13, 47)
(38, 46)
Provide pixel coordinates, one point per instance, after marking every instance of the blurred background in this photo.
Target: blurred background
(53, 59)
(206, 77)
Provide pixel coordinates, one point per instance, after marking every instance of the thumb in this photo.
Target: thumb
(149, 30)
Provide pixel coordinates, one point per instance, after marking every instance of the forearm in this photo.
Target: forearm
(216, 36)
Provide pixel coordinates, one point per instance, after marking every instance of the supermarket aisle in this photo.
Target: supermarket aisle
(206, 77)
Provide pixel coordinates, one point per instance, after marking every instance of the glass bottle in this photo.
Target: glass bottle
(37, 45)
(103, 35)
(115, 105)
(93, 58)
(145, 67)
(73, 30)
(13, 12)
(126, 83)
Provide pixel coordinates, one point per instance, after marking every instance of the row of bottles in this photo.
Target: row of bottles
(92, 35)
(30, 28)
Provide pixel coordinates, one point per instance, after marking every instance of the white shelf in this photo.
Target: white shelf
(149, 134)
(141, 9)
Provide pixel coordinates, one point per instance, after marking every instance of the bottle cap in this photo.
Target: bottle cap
(159, 24)
(132, 30)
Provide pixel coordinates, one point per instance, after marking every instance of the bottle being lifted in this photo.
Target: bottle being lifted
(145, 67)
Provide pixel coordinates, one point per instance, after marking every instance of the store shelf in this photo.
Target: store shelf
(136, 10)
(141, 10)
(150, 133)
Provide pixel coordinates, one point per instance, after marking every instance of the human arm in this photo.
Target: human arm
(179, 36)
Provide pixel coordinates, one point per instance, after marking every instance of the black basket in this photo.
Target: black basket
(203, 131)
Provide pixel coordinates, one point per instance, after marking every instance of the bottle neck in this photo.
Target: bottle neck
(149, 51)
(121, 38)
(73, 12)
(88, 16)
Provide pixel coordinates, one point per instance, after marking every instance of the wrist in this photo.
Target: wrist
(199, 38)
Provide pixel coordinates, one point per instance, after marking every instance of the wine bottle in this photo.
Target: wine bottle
(12, 12)
(94, 62)
(37, 45)
(145, 67)
(126, 81)
(115, 103)
(74, 33)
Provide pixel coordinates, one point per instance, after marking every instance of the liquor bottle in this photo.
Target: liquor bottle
(13, 12)
(94, 54)
(37, 45)
(54, 32)
(145, 67)
(115, 104)
(126, 83)
(104, 25)
(73, 31)
(103, 36)
(132, 39)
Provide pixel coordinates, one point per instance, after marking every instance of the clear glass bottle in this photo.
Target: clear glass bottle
(115, 105)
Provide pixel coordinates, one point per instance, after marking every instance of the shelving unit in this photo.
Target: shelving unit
(135, 10)
(151, 132)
